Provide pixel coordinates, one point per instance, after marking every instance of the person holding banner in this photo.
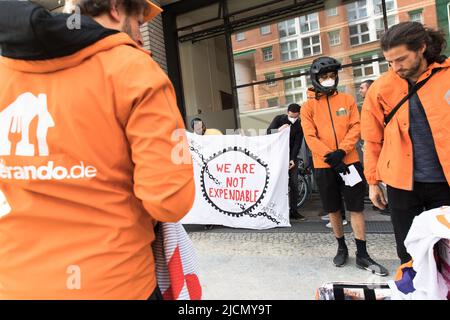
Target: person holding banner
(330, 121)
(280, 122)
(198, 127)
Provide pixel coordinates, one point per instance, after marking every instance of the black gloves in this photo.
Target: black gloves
(335, 157)
(341, 168)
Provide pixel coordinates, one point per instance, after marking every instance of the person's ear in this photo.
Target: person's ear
(423, 49)
(114, 12)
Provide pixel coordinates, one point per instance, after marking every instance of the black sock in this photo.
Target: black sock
(361, 249)
(341, 243)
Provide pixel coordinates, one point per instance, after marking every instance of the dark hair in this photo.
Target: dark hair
(368, 82)
(293, 107)
(94, 8)
(193, 121)
(414, 35)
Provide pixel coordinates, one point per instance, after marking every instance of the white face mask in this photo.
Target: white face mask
(328, 83)
(292, 120)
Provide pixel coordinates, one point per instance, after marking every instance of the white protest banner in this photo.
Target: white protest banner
(241, 181)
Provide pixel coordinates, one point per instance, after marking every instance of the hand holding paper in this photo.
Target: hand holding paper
(351, 178)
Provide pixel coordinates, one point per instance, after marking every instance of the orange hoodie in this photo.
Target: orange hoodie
(388, 152)
(330, 126)
(86, 169)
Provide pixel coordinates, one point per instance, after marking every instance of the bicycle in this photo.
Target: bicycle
(304, 183)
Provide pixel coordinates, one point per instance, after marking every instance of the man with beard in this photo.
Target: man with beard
(100, 153)
(407, 147)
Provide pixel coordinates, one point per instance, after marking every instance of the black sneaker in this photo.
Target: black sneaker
(385, 212)
(297, 216)
(341, 257)
(369, 264)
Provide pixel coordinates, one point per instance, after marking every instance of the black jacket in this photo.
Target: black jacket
(296, 137)
(30, 32)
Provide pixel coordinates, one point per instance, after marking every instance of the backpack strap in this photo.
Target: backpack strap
(411, 92)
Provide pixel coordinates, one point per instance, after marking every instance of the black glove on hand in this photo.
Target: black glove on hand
(335, 157)
(341, 168)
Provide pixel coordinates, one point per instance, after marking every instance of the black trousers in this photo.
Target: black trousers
(156, 294)
(405, 205)
(293, 189)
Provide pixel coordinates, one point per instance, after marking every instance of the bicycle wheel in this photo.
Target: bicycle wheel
(303, 190)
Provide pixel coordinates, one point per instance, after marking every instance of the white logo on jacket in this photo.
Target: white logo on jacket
(5, 208)
(16, 119)
(447, 97)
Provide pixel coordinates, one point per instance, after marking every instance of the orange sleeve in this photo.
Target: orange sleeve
(310, 132)
(372, 131)
(354, 130)
(163, 184)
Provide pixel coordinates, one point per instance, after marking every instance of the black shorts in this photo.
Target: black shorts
(332, 188)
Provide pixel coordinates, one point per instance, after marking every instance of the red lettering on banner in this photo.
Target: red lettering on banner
(244, 168)
(224, 167)
(234, 195)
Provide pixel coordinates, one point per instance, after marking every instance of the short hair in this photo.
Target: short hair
(368, 82)
(294, 107)
(94, 8)
(414, 35)
(193, 121)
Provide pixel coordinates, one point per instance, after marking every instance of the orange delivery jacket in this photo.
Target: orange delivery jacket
(330, 123)
(388, 151)
(87, 166)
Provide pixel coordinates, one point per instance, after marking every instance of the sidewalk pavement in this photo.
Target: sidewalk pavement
(285, 263)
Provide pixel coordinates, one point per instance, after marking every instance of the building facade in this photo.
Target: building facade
(237, 64)
(347, 31)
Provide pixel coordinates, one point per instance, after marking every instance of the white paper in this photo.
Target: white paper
(351, 178)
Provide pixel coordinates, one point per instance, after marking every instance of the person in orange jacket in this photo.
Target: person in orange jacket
(330, 122)
(411, 153)
(87, 162)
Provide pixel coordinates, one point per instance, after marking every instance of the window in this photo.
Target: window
(331, 12)
(307, 77)
(287, 28)
(265, 30)
(273, 102)
(334, 37)
(293, 87)
(294, 98)
(270, 76)
(379, 25)
(378, 7)
(363, 70)
(292, 83)
(416, 16)
(289, 50)
(309, 22)
(384, 66)
(448, 17)
(356, 10)
(267, 54)
(359, 34)
(240, 36)
(311, 46)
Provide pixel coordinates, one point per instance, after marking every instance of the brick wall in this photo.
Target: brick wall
(153, 35)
